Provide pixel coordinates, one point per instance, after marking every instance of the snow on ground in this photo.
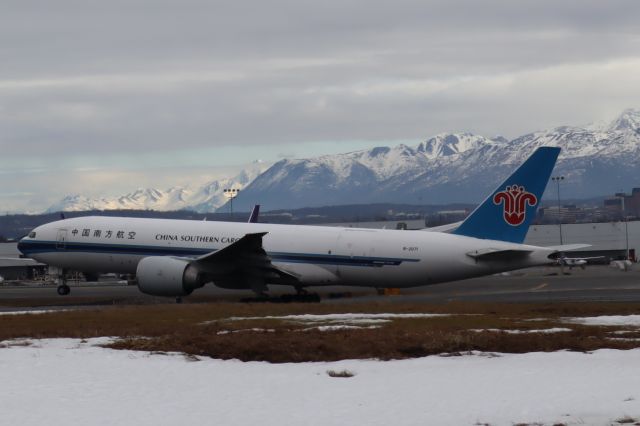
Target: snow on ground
(613, 320)
(261, 330)
(68, 382)
(340, 327)
(31, 311)
(357, 320)
(542, 330)
(342, 317)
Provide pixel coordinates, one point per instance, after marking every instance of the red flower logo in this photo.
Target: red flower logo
(515, 200)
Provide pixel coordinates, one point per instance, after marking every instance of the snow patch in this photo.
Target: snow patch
(612, 320)
(340, 327)
(543, 331)
(32, 312)
(341, 317)
(259, 330)
(87, 384)
(328, 322)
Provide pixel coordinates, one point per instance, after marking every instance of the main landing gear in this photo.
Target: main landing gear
(301, 296)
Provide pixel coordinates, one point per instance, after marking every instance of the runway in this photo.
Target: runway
(595, 283)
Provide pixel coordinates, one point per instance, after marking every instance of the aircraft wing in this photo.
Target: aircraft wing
(250, 244)
(243, 264)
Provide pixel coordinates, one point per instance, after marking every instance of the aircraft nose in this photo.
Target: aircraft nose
(22, 246)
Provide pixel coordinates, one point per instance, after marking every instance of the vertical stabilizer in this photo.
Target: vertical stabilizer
(506, 214)
(253, 217)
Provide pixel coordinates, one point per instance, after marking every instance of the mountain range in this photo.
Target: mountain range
(596, 159)
(203, 198)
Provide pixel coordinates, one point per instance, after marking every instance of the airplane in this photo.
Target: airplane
(576, 261)
(173, 258)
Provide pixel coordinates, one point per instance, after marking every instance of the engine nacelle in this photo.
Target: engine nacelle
(166, 276)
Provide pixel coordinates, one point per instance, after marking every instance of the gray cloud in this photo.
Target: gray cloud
(92, 78)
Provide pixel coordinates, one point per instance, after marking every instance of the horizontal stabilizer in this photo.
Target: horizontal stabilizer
(443, 228)
(569, 247)
(499, 254)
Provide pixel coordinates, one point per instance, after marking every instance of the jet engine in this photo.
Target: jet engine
(167, 276)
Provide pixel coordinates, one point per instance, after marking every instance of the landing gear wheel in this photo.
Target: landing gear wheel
(63, 290)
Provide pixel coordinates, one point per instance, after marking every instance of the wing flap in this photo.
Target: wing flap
(449, 227)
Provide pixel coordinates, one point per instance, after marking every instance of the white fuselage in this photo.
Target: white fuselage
(317, 255)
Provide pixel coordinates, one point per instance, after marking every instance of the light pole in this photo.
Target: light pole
(557, 180)
(626, 229)
(230, 194)
(626, 224)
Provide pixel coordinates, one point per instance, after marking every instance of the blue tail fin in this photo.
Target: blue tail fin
(506, 214)
(253, 217)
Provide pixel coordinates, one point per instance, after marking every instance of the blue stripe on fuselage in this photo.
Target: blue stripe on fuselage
(30, 247)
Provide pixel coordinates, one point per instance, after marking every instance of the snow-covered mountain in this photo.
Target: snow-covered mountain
(204, 198)
(458, 167)
(444, 144)
(596, 160)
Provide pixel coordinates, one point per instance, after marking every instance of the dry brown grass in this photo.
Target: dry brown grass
(204, 330)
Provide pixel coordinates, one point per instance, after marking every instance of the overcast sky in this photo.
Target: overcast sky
(101, 97)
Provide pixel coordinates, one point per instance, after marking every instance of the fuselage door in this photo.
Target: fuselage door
(61, 240)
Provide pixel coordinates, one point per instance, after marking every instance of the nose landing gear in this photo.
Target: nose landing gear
(61, 279)
(64, 289)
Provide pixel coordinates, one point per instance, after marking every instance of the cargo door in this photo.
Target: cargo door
(355, 248)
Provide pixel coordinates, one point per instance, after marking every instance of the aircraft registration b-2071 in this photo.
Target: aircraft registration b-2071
(175, 257)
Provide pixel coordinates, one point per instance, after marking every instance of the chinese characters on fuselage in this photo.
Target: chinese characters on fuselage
(105, 234)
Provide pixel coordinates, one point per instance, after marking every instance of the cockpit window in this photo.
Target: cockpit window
(32, 234)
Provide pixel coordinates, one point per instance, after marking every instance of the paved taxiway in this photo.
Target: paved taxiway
(595, 283)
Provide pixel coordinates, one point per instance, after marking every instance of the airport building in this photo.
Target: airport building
(18, 269)
(610, 239)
